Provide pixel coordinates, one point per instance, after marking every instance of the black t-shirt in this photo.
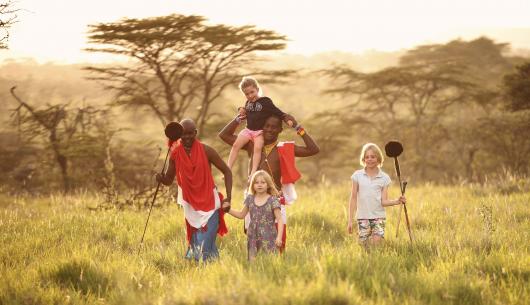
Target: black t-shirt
(259, 111)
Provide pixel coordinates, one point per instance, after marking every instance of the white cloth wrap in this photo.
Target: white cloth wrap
(198, 219)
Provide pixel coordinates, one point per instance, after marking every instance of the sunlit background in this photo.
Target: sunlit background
(82, 136)
(55, 30)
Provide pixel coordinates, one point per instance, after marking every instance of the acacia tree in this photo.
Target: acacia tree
(432, 99)
(160, 48)
(406, 102)
(180, 65)
(66, 132)
(505, 141)
(226, 53)
(481, 59)
(335, 133)
(7, 18)
(503, 134)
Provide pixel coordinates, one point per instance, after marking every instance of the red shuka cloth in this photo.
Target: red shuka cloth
(287, 163)
(194, 177)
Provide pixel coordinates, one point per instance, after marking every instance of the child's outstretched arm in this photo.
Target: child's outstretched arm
(239, 214)
(352, 206)
(279, 219)
(390, 202)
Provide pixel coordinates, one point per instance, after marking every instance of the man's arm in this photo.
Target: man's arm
(168, 176)
(214, 159)
(310, 149)
(227, 134)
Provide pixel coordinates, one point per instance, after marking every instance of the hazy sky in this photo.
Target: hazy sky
(55, 30)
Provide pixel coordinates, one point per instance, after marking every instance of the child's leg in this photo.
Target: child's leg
(252, 247)
(377, 227)
(256, 156)
(240, 141)
(364, 230)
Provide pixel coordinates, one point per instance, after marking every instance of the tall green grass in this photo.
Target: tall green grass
(471, 247)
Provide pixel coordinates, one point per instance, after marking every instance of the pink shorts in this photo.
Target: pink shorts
(251, 134)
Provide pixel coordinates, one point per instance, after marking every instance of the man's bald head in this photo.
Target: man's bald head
(188, 124)
(189, 132)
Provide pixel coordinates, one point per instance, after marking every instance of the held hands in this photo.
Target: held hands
(158, 178)
(401, 200)
(226, 205)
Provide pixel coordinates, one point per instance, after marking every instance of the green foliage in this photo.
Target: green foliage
(483, 59)
(503, 139)
(17, 161)
(469, 248)
(517, 88)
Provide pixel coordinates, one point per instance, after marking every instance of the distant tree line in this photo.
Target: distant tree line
(461, 109)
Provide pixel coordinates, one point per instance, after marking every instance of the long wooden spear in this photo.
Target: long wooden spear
(393, 149)
(173, 131)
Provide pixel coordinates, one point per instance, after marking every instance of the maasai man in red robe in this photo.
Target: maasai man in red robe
(277, 158)
(197, 193)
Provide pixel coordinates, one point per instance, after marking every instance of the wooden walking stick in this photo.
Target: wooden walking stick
(393, 149)
(173, 131)
(400, 209)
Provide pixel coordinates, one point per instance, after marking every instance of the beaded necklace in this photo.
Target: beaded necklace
(267, 149)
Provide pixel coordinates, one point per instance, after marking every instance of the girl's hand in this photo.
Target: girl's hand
(350, 227)
(241, 114)
(278, 241)
(402, 200)
(290, 120)
(240, 118)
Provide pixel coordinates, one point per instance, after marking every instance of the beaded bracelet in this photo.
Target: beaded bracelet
(301, 131)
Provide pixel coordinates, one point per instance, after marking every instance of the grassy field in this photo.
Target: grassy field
(471, 247)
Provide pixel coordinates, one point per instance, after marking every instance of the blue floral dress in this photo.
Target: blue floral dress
(261, 232)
